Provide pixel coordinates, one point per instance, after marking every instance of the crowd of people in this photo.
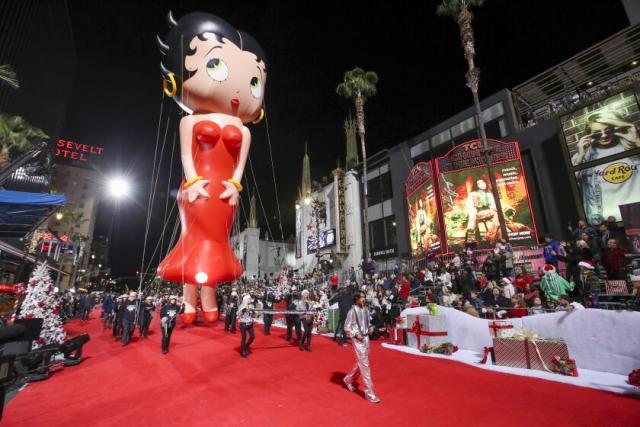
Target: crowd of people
(484, 285)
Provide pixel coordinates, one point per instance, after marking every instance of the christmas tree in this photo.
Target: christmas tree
(41, 302)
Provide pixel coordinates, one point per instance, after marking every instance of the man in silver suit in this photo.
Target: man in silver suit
(358, 329)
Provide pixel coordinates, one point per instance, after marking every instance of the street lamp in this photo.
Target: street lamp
(59, 216)
(118, 187)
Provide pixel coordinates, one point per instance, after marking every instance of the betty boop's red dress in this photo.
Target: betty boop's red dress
(204, 245)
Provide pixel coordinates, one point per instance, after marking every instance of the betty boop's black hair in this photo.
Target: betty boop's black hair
(176, 48)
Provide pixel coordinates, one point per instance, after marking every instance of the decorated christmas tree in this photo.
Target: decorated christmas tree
(42, 302)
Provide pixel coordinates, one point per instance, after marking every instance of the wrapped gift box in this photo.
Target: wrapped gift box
(519, 353)
(333, 319)
(426, 329)
(501, 328)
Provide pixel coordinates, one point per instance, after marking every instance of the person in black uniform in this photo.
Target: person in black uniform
(293, 320)
(168, 316)
(118, 308)
(245, 319)
(129, 308)
(306, 320)
(230, 313)
(146, 314)
(267, 303)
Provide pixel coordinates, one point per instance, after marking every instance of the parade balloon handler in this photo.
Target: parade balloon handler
(168, 316)
(129, 309)
(245, 320)
(216, 74)
(358, 329)
(145, 316)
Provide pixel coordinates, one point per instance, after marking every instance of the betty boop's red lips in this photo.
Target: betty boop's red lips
(235, 102)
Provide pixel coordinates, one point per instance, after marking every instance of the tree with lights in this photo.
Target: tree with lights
(42, 302)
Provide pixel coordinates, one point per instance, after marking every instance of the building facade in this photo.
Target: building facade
(542, 120)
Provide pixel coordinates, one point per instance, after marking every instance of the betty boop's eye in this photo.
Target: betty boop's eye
(217, 69)
(256, 87)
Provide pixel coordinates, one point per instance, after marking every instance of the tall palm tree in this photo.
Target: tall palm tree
(459, 10)
(8, 76)
(17, 136)
(359, 85)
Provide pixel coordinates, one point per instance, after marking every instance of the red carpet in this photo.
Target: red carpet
(203, 381)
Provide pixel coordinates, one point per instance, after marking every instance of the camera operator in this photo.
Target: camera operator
(345, 301)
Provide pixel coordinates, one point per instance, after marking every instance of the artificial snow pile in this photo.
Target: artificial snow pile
(41, 302)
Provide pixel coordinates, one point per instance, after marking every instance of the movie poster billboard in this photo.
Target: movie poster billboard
(424, 224)
(595, 133)
(602, 129)
(469, 211)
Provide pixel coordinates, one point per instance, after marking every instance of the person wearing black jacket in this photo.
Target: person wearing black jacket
(230, 313)
(467, 283)
(293, 320)
(117, 322)
(268, 301)
(571, 259)
(497, 304)
(129, 308)
(345, 301)
(85, 305)
(168, 316)
(146, 314)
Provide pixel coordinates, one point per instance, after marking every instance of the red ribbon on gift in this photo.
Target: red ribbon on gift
(487, 350)
(495, 326)
(416, 328)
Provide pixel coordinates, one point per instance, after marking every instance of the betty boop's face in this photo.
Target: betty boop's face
(225, 79)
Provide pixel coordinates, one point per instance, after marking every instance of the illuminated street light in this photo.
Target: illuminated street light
(307, 200)
(118, 187)
(59, 216)
(93, 256)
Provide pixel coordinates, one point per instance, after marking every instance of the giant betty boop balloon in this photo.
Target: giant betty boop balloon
(217, 74)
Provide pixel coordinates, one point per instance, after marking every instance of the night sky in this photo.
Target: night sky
(309, 46)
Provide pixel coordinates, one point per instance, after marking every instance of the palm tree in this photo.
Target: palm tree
(359, 85)
(459, 10)
(17, 136)
(74, 220)
(8, 76)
